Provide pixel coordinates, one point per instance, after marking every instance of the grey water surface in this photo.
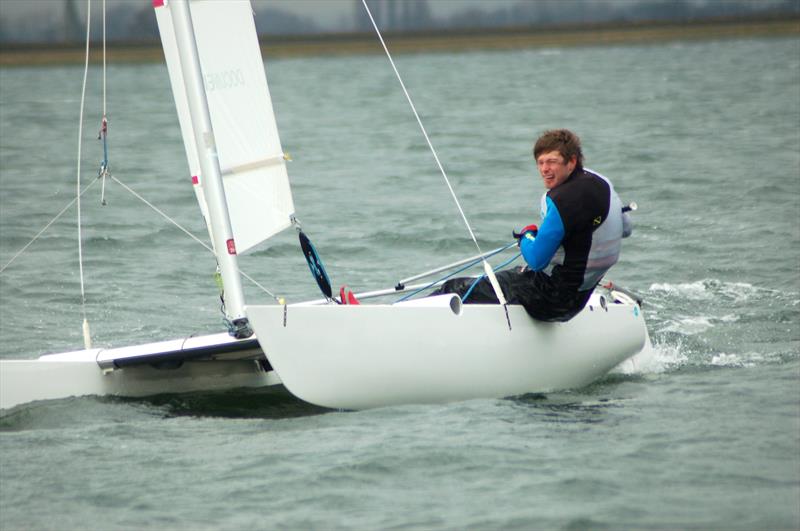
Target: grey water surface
(704, 136)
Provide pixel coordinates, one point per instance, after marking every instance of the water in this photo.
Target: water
(704, 136)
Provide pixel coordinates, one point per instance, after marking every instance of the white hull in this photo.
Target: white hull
(208, 363)
(357, 357)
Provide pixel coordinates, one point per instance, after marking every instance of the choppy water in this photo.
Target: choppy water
(704, 136)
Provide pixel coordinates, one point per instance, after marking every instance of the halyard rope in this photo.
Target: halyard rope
(86, 334)
(104, 59)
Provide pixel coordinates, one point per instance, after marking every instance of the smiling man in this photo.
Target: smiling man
(579, 239)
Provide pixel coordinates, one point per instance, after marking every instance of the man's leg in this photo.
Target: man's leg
(482, 291)
(534, 290)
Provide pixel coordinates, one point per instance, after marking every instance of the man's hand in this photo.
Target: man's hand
(529, 231)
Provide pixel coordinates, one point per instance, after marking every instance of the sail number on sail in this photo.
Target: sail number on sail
(226, 79)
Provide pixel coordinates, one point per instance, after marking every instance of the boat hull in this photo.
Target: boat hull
(205, 363)
(357, 357)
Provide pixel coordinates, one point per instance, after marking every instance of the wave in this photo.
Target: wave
(732, 360)
(707, 289)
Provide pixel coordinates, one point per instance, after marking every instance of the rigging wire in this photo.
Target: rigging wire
(146, 202)
(422, 127)
(189, 234)
(486, 267)
(44, 229)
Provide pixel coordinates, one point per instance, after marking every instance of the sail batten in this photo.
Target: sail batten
(274, 161)
(255, 179)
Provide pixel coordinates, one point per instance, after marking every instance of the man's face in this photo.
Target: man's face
(553, 169)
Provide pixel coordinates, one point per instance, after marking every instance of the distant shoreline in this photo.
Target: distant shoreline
(430, 41)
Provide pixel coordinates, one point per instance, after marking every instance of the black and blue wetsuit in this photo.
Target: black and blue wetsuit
(578, 241)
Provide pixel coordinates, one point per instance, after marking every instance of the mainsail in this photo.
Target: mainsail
(250, 155)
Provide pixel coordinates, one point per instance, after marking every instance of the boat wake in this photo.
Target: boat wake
(708, 289)
(713, 323)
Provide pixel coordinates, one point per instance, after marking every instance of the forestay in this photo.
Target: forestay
(250, 155)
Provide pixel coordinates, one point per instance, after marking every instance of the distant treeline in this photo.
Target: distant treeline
(135, 21)
(435, 40)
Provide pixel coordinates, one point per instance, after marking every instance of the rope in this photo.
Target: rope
(498, 268)
(86, 334)
(464, 268)
(486, 266)
(103, 172)
(431, 284)
(104, 60)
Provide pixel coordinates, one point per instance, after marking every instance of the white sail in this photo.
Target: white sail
(250, 155)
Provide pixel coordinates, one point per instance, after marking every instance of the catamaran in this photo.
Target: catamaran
(348, 356)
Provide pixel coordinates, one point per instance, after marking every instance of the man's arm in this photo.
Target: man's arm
(540, 250)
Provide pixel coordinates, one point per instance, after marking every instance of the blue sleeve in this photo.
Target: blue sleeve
(540, 250)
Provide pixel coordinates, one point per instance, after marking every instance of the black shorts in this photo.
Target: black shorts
(542, 297)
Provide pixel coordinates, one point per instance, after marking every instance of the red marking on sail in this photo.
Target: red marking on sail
(195, 180)
(231, 246)
(158, 3)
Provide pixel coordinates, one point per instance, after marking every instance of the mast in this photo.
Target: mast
(221, 231)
